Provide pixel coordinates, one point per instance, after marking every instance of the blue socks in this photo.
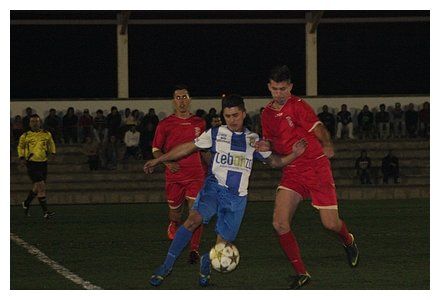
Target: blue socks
(181, 239)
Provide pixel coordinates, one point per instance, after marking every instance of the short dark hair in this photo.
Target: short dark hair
(280, 74)
(180, 87)
(233, 100)
(34, 116)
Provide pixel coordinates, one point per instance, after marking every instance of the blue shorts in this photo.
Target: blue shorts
(215, 199)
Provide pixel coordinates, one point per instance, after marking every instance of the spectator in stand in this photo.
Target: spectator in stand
(424, 120)
(70, 127)
(99, 127)
(344, 122)
(133, 119)
(383, 122)
(147, 129)
(398, 121)
(113, 122)
(17, 128)
(124, 118)
(112, 153)
(365, 122)
(26, 119)
(85, 125)
(328, 119)
(212, 111)
(131, 140)
(411, 121)
(362, 166)
(52, 123)
(201, 113)
(216, 121)
(91, 149)
(256, 123)
(390, 167)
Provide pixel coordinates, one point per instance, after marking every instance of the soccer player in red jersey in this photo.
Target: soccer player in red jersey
(183, 178)
(285, 120)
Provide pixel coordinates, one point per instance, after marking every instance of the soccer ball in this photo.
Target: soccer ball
(224, 257)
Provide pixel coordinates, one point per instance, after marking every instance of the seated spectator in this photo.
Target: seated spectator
(147, 129)
(256, 123)
(362, 166)
(17, 128)
(398, 121)
(52, 123)
(26, 119)
(424, 120)
(133, 119)
(111, 153)
(344, 122)
(70, 127)
(124, 118)
(411, 121)
(208, 117)
(113, 122)
(85, 125)
(131, 140)
(328, 119)
(100, 127)
(365, 123)
(91, 149)
(201, 113)
(390, 167)
(383, 122)
(216, 121)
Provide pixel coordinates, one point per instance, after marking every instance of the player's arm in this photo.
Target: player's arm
(21, 149)
(175, 154)
(276, 161)
(171, 165)
(324, 137)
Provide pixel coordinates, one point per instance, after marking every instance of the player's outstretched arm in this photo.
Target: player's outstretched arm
(175, 154)
(298, 148)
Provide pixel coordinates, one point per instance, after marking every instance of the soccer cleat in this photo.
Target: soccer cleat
(159, 275)
(299, 281)
(205, 270)
(352, 253)
(171, 231)
(48, 214)
(193, 257)
(26, 209)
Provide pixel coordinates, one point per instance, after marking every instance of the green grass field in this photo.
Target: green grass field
(118, 247)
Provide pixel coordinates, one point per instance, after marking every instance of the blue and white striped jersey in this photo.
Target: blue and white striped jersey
(232, 156)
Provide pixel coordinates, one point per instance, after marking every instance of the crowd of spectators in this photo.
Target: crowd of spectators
(129, 134)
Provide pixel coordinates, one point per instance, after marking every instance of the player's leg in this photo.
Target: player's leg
(331, 221)
(192, 188)
(175, 198)
(32, 193)
(204, 208)
(286, 203)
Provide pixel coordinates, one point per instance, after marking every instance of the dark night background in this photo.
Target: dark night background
(67, 61)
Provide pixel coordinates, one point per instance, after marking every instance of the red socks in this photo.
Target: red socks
(290, 247)
(344, 235)
(195, 240)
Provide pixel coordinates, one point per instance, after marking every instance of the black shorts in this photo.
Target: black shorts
(37, 170)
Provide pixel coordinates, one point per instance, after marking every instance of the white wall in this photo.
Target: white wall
(163, 107)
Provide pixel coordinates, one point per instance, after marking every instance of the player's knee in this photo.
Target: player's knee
(194, 220)
(281, 226)
(332, 225)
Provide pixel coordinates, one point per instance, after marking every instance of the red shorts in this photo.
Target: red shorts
(314, 180)
(176, 192)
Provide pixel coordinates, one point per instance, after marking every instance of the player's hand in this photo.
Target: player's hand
(149, 166)
(262, 146)
(328, 151)
(299, 147)
(172, 166)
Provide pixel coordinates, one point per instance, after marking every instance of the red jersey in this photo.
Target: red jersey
(173, 131)
(293, 121)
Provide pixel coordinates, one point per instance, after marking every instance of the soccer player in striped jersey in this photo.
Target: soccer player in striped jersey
(183, 177)
(285, 120)
(225, 189)
(33, 149)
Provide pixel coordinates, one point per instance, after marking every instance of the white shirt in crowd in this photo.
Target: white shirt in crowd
(131, 139)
